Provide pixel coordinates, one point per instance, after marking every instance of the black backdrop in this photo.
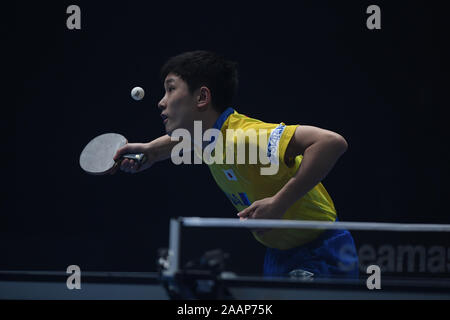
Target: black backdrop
(301, 62)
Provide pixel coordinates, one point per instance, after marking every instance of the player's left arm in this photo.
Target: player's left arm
(320, 149)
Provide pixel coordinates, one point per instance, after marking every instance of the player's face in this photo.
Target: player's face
(178, 104)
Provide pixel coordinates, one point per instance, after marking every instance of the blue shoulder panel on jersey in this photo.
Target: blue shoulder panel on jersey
(223, 117)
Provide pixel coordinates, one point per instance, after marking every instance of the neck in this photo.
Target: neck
(208, 120)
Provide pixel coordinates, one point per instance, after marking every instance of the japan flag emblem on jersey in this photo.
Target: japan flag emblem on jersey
(230, 175)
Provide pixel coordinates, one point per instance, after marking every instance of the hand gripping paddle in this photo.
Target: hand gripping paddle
(97, 156)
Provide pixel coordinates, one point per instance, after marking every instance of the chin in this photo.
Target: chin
(170, 129)
(169, 132)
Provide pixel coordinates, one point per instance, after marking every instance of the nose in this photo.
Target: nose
(162, 104)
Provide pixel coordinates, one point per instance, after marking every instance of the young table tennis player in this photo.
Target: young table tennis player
(200, 86)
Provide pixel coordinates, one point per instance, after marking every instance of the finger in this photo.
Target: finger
(134, 167)
(124, 165)
(127, 148)
(245, 212)
(130, 167)
(119, 152)
(242, 214)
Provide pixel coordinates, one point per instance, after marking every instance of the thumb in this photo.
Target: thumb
(129, 148)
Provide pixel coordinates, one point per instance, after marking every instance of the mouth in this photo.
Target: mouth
(165, 118)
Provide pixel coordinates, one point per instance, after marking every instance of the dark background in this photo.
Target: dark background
(300, 62)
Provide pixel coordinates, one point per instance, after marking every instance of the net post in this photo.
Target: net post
(174, 247)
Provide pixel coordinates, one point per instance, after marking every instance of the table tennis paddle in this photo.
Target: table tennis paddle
(97, 156)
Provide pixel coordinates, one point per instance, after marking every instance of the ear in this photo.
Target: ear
(203, 97)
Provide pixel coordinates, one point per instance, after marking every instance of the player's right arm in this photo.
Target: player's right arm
(156, 150)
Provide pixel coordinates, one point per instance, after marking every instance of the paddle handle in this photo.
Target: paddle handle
(138, 157)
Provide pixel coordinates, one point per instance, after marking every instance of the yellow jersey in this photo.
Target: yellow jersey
(243, 183)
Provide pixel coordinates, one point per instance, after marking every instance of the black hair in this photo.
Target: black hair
(204, 68)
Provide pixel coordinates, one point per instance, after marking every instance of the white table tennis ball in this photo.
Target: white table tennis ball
(137, 93)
